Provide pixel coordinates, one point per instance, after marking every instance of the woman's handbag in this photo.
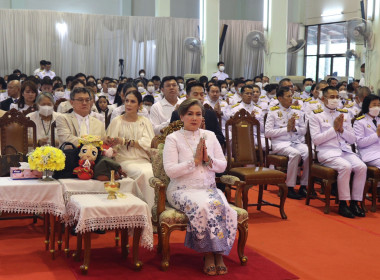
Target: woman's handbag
(10, 159)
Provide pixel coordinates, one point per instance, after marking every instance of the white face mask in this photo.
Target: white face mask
(147, 107)
(265, 84)
(233, 90)
(112, 91)
(59, 94)
(99, 86)
(142, 75)
(333, 103)
(271, 96)
(46, 110)
(259, 84)
(223, 92)
(320, 94)
(141, 89)
(374, 111)
(150, 89)
(221, 68)
(343, 94)
(181, 86)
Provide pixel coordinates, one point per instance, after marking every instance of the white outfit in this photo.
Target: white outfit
(160, 115)
(121, 109)
(334, 151)
(134, 161)
(42, 127)
(15, 106)
(368, 142)
(45, 73)
(192, 189)
(220, 75)
(289, 143)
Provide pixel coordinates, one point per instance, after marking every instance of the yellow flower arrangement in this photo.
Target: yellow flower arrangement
(47, 158)
(91, 139)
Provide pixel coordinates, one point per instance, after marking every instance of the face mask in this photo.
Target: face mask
(374, 111)
(233, 90)
(271, 96)
(147, 107)
(112, 91)
(265, 84)
(223, 92)
(181, 86)
(343, 94)
(239, 90)
(333, 103)
(260, 84)
(142, 75)
(141, 89)
(59, 94)
(320, 94)
(308, 89)
(99, 86)
(46, 110)
(150, 89)
(221, 68)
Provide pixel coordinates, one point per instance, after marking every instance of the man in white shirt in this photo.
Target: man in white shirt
(161, 112)
(220, 74)
(72, 126)
(307, 83)
(42, 68)
(47, 71)
(109, 90)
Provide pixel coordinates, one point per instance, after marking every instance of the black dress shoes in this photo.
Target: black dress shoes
(345, 212)
(292, 194)
(356, 210)
(302, 191)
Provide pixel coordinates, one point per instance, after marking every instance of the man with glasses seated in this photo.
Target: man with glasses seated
(73, 125)
(332, 133)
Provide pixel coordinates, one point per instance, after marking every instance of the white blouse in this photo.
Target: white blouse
(43, 128)
(178, 158)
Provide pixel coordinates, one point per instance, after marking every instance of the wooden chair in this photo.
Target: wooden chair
(324, 175)
(52, 134)
(168, 219)
(242, 151)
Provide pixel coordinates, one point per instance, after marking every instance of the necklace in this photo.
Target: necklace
(43, 125)
(184, 135)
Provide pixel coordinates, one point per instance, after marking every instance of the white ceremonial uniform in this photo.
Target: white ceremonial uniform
(310, 105)
(234, 99)
(45, 73)
(220, 75)
(334, 151)
(38, 70)
(299, 100)
(305, 95)
(3, 94)
(160, 115)
(353, 109)
(289, 143)
(223, 107)
(367, 140)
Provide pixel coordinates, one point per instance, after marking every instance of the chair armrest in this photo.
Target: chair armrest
(235, 181)
(229, 180)
(160, 194)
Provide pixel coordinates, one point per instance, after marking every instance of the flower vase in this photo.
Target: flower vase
(46, 176)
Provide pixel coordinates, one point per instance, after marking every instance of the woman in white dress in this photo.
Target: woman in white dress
(28, 97)
(131, 136)
(191, 158)
(43, 118)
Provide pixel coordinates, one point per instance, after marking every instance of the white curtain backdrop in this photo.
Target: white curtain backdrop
(93, 44)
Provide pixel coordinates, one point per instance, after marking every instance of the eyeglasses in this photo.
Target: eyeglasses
(248, 93)
(333, 97)
(83, 100)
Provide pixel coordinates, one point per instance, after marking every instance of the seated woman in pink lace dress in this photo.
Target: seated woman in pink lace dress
(191, 158)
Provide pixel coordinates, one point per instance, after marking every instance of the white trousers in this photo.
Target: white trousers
(295, 153)
(344, 165)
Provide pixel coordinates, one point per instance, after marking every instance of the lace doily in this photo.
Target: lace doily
(32, 207)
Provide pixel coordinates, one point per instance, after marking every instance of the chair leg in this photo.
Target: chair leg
(59, 229)
(374, 194)
(227, 192)
(367, 184)
(136, 244)
(67, 240)
(117, 238)
(240, 186)
(243, 235)
(327, 188)
(87, 252)
(165, 247)
(159, 245)
(124, 243)
(245, 197)
(47, 231)
(260, 197)
(78, 252)
(310, 189)
(283, 195)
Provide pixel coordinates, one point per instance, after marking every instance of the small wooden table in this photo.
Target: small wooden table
(94, 212)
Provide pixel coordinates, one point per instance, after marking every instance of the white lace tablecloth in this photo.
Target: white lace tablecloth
(31, 196)
(77, 186)
(95, 211)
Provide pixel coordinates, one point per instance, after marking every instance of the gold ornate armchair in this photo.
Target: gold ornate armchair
(166, 218)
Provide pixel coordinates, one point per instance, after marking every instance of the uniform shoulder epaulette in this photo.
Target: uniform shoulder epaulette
(275, 97)
(342, 110)
(230, 94)
(317, 111)
(313, 102)
(183, 95)
(274, 108)
(349, 105)
(237, 104)
(257, 106)
(262, 96)
(296, 107)
(298, 98)
(307, 99)
(359, 118)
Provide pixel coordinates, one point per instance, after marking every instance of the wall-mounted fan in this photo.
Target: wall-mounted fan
(360, 32)
(193, 44)
(256, 40)
(351, 55)
(296, 45)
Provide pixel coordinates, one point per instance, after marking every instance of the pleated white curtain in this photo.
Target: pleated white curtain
(93, 44)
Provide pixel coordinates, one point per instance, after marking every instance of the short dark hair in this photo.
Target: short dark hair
(284, 80)
(141, 70)
(165, 79)
(137, 94)
(326, 89)
(25, 84)
(220, 62)
(307, 80)
(213, 84)
(106, 79)
(43, 62)
(148, 98)
(57, 85)
(366, 102)
(281, 91)
(254, 79)
(77, 76)
(156, 78)
(16, 71)
(34, 79)
(97, 103)
(203, 79)
(79, 90)
(185, 105)
(48, 63)
(179, 78)
(13, 77)
(362, 66)
(46, 81)
(243, 88)
(77, 81)
(128, 86)
(189, 86)
(69, 79)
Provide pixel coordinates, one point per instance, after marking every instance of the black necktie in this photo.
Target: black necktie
(15, 101)
(375, 122)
